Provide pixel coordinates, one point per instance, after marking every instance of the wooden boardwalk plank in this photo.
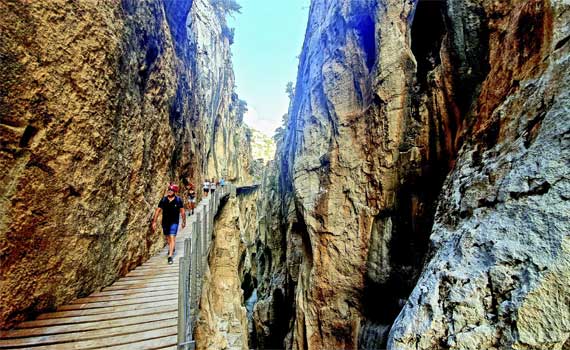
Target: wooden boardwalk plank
(87, 335)
(169, 341)
(80, 327)
(161, 264)
(106, 310)
(157, 280)
(113, 303)
(149, 275)
(112, 297)
(141, 285)
(132, 340)
(158, 271)
(133, 274)
(99, 317)
(133, 291)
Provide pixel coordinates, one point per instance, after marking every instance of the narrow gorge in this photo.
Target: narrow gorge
(418, 197)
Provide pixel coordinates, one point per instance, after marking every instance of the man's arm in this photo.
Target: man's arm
(183, 213)
(155, 217)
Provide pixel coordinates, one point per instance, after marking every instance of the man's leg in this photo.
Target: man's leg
(170, 233)
(171, 244)
(166, 235)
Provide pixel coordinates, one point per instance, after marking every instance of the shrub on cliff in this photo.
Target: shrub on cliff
(226, 7)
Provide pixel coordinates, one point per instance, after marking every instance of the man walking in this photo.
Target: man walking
(206, 187)
(172, 209)
(191, 199)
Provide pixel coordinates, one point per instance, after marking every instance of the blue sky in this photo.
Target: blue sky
(268, 40)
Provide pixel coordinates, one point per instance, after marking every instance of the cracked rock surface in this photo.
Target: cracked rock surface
(499, 268)
(420, 195)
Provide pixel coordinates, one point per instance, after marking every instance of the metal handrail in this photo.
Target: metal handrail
(193, 264)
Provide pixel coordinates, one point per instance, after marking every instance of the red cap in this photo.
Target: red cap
(173, 187)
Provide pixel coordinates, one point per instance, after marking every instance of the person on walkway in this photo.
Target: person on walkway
(206, 187)
(191, 199)
(172, 209)
(222, 182)
(212, 187)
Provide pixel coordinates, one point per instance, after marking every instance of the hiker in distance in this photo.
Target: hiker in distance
(206, 187)
(191, 199)
(172, 209)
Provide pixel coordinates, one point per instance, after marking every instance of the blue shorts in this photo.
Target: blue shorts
(170, 229)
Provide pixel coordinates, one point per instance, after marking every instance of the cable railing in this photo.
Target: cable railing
(193, 264)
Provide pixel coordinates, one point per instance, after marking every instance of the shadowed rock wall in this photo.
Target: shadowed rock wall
(407, 114)
(98, 113)
(499, 262)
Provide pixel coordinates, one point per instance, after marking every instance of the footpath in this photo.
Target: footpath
(138, 311)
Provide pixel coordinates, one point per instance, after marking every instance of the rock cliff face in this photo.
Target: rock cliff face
(102, 104)
(424, 138)
(223, 317)
(215, 104)
(262, 146)
(499, 265)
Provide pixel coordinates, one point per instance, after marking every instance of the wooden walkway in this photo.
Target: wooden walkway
(138, 311)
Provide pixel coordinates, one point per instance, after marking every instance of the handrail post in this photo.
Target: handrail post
(182, 300)
(193, 260)
(205, 229)
(216, 201)
(193, 264)
(211, 221)
(184, 334)
(198, 265)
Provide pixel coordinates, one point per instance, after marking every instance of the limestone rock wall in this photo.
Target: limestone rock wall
(356, 164)
(273, 269)
(225, 151)
(98, 113)
(223, 317)
(412, 144)
(500, 260)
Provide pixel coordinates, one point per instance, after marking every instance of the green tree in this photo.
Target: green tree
(222, 9)
(290, 90)
(226, 7)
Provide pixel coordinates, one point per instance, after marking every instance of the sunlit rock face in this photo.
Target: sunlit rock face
(98, 112)
(222, 322)
(231, 277)
(362, 176)
(215, 105)
(424, 138)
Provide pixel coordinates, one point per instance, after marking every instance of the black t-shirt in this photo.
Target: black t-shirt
(170, 210)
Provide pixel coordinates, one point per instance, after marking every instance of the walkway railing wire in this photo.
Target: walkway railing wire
(193, 264)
